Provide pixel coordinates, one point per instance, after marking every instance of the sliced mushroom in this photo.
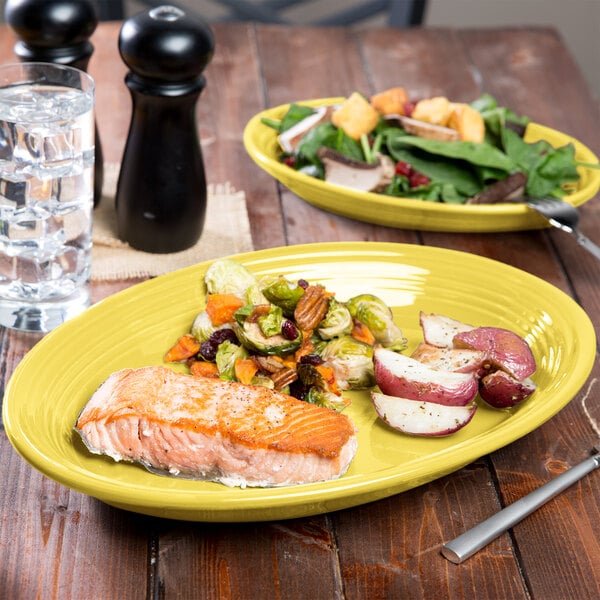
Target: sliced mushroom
(505, 190)
(290, 138)
(355, 174)
(428, 130)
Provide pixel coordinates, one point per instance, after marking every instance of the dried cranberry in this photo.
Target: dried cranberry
(224, 335)
(290, 161)
(303, 283)
(416, 179)
(403, 168)
(409, 107)
(288, 330)
(208, 349)
(311, 359)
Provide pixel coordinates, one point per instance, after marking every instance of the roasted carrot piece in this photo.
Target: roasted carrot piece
(245, 369)
(307, 345)
(187, 345)
(329, 376)
(221, 307)
(201, 368)
(362, 333)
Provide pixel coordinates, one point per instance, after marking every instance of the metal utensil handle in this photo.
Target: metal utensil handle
(465, 545)
(586, 243)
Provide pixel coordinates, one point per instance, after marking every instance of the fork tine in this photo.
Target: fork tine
(564, 216)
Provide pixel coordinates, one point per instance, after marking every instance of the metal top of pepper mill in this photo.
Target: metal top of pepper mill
(52, 30)
(166, 46)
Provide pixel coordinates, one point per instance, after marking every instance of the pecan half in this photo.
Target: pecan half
(311, 307)
(284, 377)
(268, 364)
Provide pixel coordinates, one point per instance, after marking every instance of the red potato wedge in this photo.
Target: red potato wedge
(461, 360)
(506, 350)
(421, 418)
(405, 377)
(439, 330)
(500, 390)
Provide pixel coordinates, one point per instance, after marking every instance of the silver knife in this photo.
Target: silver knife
(467, 544)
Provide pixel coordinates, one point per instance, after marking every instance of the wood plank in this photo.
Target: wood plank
(391, 548)
(54, 540)
(283, 559)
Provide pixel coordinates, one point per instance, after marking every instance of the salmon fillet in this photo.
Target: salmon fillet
(214, 430)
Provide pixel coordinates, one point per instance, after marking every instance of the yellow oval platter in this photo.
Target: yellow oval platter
(261, 144)
(135, 327)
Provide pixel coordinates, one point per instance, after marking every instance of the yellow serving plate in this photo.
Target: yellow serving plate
(135, 327)
(261, 144)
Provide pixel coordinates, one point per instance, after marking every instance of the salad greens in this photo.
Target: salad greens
(452, 171)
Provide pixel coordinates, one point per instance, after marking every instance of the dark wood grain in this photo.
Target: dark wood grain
(57, 543)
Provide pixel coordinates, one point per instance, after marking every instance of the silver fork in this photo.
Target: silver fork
(564, 216)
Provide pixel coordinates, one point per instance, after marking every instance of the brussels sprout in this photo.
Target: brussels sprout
(321, 397)
(250, 334)
(225, 276)
(377, 316)
(337, 321)
(227, 354)
(314, 388)
(283, 293)
(270, 324)
(351, 361)
(202, 327)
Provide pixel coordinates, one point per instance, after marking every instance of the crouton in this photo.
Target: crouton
(468, 122)
(390, 102)
(355, 116)
(435, 110)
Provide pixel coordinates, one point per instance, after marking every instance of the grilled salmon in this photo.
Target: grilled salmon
(214, 430)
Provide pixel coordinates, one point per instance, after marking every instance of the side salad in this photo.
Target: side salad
(433, 149)
(292, 336)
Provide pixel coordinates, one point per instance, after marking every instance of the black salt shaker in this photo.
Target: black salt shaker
(161, 192)
(57, 31)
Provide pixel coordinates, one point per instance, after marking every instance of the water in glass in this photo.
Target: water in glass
(46, 203)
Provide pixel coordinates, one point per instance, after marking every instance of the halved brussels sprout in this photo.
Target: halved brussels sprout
(337, 321)
(227, 354)
(225, 276)
(315, 388)
(377, 316)
(202, 327)
(270, 324)
(321, 397)
(351, 361)
(283, 293)
(250, 334)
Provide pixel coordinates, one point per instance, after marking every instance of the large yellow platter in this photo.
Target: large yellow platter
(134, 328)
(261, 144)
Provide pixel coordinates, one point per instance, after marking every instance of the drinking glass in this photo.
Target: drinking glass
(46, 194)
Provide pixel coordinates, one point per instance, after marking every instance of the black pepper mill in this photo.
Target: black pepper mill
(57, 31)
(161, 193)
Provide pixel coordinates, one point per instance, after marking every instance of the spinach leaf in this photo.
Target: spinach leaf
(329, 136)
(294, 115)
(547, 168)
(482, 155)
(552, 170)
(457, 173)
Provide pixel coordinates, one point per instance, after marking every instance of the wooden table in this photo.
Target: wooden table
(56, 543)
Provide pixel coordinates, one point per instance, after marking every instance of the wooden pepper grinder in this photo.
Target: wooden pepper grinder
(161, 193)
(57, 31)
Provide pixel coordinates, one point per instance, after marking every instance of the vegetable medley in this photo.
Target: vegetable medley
(292, 336)
(433, 149)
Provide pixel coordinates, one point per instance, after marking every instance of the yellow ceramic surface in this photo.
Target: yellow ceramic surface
(135, 327)
(409, 213)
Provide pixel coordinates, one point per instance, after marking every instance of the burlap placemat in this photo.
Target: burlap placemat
(226, 231)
